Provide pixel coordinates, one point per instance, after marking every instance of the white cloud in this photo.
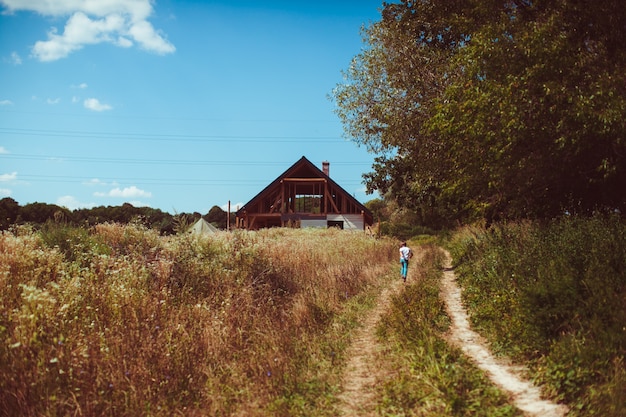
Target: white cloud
(14, 59)
(143, 32)
(94, 181)
(3, 150)
(139, 9)
(53, 101)
(128, 192)
(124, 42)
(81, 86)
(6, 103)
(97, 182)
(72, 203)
(8, 177)
(95, 105)
(5, 192)
(120, 22)
(137, 203)
(233, 207)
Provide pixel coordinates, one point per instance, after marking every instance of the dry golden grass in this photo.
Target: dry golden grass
(119, 321)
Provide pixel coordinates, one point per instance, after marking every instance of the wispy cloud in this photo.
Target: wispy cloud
(3, 150)
(137, 203)
(120, 22)
(53, 101)
(80, 86)
(98, 182)
(6, 103)
(8, 177)
(233, 207)
(95, 105)
(72, 203)
(13, 59)
(128, 192)
(5, 192)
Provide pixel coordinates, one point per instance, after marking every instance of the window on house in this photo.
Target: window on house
(308, 203)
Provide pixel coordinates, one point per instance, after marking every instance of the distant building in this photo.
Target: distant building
(304, 196)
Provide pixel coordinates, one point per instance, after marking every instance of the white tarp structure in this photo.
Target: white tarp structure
(202, 227)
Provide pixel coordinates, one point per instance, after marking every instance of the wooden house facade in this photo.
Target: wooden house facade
(304, 196)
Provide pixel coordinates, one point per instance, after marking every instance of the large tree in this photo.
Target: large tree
(495, 109)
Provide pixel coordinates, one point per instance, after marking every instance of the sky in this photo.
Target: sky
(177, 105)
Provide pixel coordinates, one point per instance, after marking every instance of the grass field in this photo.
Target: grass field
(116, 320)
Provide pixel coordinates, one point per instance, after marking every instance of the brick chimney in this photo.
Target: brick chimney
(326, 168)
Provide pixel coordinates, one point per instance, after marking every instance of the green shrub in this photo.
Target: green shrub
(553, 294)
(74, 243)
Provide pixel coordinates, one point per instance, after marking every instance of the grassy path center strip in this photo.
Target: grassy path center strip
(362, 372)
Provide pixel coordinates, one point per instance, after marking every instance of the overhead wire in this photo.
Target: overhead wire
(126, 136)
(166, 137)
(158, 161)
(147, 181)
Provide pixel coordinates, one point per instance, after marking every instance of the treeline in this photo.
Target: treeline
(40, 213)
(492, 110)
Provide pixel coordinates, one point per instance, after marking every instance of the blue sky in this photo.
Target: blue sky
(176, 105)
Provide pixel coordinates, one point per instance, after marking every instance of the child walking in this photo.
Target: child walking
(405, 254)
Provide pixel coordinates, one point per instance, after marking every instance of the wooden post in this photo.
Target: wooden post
(228, 217)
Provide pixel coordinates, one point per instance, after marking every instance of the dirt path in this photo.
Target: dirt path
(362, 371)
(523, 393)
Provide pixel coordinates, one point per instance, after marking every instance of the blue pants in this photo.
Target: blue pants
(404, 267)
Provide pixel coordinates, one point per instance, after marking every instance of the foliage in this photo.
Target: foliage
(118, 320)
(492, 109)
(431, 377)
(404, 224)
(11, 213)
(42, 212)
(553, 294)
(217, 217)
(9, 210)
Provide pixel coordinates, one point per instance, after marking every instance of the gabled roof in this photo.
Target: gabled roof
(303, 168)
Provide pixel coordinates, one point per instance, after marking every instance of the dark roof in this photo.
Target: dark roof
(303, 164)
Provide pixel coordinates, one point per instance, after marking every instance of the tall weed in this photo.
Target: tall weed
(555, 295)
(116, 320)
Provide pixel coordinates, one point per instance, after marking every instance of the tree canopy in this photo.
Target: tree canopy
(39, 213)
(492, 109)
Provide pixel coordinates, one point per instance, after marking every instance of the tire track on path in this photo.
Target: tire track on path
(363, 370)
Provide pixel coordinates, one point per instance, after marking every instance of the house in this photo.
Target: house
(304, 196)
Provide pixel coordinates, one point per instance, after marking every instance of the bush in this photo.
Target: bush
(553, 294)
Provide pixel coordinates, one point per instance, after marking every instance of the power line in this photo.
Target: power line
(166, 137)
(164, 117)
(109, 181)
(158, 161)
